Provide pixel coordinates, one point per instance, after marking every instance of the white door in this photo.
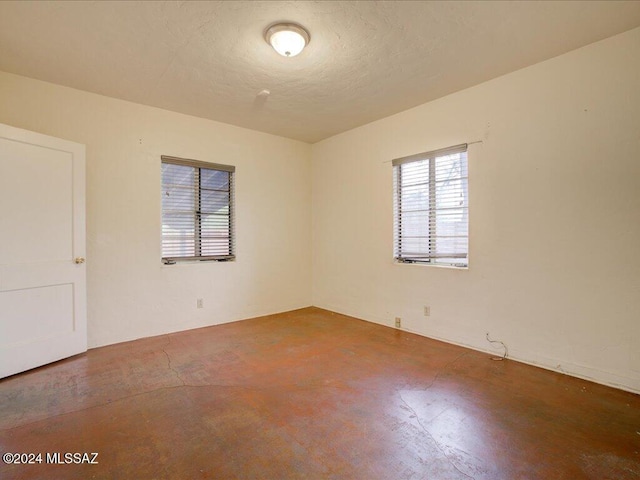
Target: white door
(42, 248)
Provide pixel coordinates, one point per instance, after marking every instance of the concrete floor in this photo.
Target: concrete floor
(314, 395)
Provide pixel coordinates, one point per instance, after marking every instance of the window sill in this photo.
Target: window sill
(194, 262)
(432, 265)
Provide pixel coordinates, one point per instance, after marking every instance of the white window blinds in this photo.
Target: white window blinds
(197, 210)
(431, 207)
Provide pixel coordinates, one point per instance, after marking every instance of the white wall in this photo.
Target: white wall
(555, 216)
(130, 294)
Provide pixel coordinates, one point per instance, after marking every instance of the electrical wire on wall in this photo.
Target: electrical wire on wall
(506, 351)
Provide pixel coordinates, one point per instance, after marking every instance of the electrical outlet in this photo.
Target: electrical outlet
(398, 322)
(427, 311)
(199, 303)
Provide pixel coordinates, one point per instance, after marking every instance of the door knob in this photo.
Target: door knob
(79, 260)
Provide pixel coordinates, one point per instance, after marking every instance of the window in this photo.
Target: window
(197, 210)
(431, 208)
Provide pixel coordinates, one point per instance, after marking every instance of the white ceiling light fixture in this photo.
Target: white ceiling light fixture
(288, 39)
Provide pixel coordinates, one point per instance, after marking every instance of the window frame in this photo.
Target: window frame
(431, 256)
(197, 212)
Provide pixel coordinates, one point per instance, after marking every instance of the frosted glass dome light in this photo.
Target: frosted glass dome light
(287, 39)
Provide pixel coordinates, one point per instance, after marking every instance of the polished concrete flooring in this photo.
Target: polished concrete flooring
(313, 395)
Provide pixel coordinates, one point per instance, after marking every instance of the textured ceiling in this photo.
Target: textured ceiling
(365, 61)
